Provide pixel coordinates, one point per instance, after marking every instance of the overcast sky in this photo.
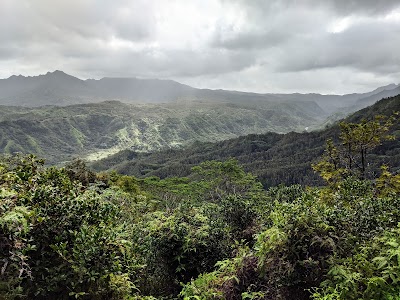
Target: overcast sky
(324, 46)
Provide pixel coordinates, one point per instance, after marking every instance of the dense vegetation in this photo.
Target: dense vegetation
(70, 233)
(61, 133)
(274, 158)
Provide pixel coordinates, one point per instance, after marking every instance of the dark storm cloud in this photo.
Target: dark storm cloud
(253, 45)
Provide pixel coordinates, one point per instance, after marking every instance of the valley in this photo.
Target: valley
(61, 117)
(150, 189)
(274, 158)
(92, 130)
(194, 224)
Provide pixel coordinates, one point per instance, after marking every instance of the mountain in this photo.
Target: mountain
(61, 89)
(96, 130)
(55, 88)
(274, 158)
(382, 93)
(59, 116)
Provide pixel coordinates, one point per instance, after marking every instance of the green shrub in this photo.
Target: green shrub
(177, 246)
(372, 273)
(60, 238)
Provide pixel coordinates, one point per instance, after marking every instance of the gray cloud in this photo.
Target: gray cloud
(175, 63)
(367, 47)
(250, 40)
(368, 7)
(264, 46)
(337, 7)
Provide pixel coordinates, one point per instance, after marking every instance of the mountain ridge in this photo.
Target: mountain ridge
(62, 89)
(274, 158)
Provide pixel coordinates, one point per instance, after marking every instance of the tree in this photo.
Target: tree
(78, 170)
(349, 158)
(359, 138)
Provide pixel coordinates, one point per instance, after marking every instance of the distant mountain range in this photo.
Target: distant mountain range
(58, 116)
(61, 89)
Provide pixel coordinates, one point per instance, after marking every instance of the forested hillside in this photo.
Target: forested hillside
(68, 233)
(93, 131)
(273, 158)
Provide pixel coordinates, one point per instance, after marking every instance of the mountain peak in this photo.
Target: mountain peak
(16, 76)
(60, 76)
(57, 73)
(386, 87)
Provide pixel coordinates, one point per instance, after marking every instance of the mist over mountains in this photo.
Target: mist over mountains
(60, 89)
(59, 117)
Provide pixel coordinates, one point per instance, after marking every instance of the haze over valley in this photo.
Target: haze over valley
(61, 117)
(61, 89)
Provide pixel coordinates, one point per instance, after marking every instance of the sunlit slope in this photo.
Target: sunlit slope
(274, 158)
(97, 130)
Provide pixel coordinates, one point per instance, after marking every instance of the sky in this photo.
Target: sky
(276, 46)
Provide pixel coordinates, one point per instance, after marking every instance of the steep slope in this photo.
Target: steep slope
(274, 158)
(346, 104)
(55, 88)
(97, 130)
(371, 99)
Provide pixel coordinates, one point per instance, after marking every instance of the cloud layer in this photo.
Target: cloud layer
(264, 46)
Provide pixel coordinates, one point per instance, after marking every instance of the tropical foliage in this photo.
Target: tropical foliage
(218, 234)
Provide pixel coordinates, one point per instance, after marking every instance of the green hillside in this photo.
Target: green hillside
(93, 131)
(273, 158)
(68, 233)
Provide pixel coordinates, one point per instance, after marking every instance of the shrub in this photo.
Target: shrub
(177, 246)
